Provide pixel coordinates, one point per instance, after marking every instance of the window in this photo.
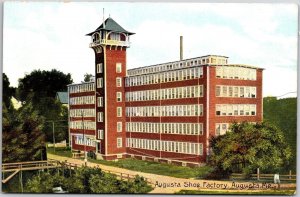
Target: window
(119, 96)
(118, 67)
(99, 68)
(100, 116)
(100, 134)
(119, 142)
(119, 82)
(119, 126)
(100, 101)
(99, 82)
(119, 111)
(218, 90)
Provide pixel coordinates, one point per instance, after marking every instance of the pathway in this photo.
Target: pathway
(170, 185)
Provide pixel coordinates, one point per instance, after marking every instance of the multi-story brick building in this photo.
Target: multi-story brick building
(164, 112)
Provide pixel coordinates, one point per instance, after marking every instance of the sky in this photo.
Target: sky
(51, 35)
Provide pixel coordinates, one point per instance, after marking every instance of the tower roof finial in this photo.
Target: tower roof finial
(103, 19)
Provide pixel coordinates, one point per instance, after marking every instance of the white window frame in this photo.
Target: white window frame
(100, 101)
(100, 82)
(119, 126)
(100, 134)
(99, 68)
(119, 111)
(118, 67)
(119, 96)
(119, 81)
(119, 142)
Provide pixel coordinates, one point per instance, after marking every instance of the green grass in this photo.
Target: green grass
(145, 166)
(61, 151)
(267, 192)
(158, 168)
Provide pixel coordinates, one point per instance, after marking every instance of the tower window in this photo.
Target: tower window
(100, 101)
(119, 82)
(119, 142)
(99, 68)
(99, 82)
(119, 67)
(119, 111)
(119, 96)
(119, 126)
(100, 134)
(100, 116)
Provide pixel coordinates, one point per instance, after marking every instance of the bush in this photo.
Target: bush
(85, 180)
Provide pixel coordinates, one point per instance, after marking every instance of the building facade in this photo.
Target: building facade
(165, 112)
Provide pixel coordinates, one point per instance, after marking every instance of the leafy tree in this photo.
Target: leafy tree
(22, 139)
(40, 84)
(283, 114)
(247, 147)
(88, 77)
(40, 88)
(8, 91)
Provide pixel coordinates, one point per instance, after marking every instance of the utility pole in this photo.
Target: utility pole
(85, 158)
(53, 135)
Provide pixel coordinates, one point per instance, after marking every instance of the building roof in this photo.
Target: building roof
(110, 25)
(62, 97)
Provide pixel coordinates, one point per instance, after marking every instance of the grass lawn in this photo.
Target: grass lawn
(144, 166)
(157, 168)
(61, 151)
(267, 192)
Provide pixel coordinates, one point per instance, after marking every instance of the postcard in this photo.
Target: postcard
(149, 98)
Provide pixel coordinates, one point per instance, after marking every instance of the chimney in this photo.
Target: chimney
(181, 48)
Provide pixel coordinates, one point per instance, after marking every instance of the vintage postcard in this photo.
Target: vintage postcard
(149, 98)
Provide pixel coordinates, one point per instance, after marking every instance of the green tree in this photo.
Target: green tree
(8, 91)
(85, 180)
(247, 147)
(40, 84)
(283, 114)
(88, 77)
(22, 139)
(39, 88)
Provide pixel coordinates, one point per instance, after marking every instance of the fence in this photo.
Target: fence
(265, 177)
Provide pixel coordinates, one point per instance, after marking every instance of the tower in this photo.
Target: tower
(109, 42)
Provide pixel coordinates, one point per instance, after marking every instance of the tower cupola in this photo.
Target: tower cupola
(110, 33)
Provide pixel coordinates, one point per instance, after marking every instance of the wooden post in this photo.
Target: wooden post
(128, 176)
(290, 177)
(21, 180)
(121, 176)
(258, 174)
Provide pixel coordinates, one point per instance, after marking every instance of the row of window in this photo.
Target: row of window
(88, 125)
(86, 87)
(236, 91)
(234, 72)
(84, 112)
(178, 75)
(170, 110)
(168, 93)
(82, 100)
(178, 64)
(169, 128)
(236, 110)
(88, 141)
(168, 146)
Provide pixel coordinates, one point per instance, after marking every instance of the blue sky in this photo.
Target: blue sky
(52, 35)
